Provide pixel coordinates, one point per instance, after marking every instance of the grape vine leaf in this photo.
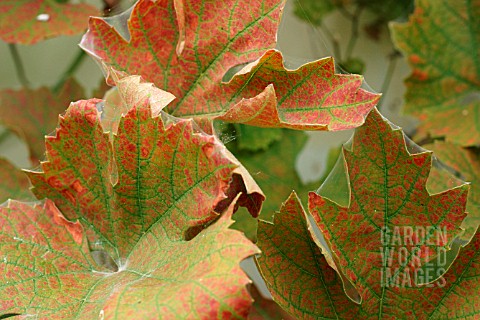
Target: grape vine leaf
(14, 183)
(120, 186)
(216, 39)
(296, 273)
(466, 162)
(147, 190)
(32, 114)
(312, 97)
(391, 227)
(218, 36)
(442, 43)
(48, 272)
(31, 21)
(130, 90)
(298, 266)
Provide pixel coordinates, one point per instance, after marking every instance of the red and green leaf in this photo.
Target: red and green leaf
(466, 162)
(304, 283)
(218, 35)
(31, 21)
(388, 207)
(218, 38)
(442, 44)
(147, 173)
(48, 272)
(297, 265)
(143, 199)
(312, 97)
(14, 183)
(129, 91)
(32, 114)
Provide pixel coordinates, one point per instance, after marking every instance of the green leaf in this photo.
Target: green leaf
(303, 282)
(313, 11)
(255, 139)
(31, 21)
(442, 44)
(275, 172)
(387, 10)
(48, 271)
(32, 114)
(14, 183)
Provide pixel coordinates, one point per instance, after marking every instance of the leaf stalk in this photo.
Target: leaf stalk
(18, 65)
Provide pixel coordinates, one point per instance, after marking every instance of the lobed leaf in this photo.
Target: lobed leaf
(465, 162)
(32, 114)
(312, 97)
(31, 21)
(264, 94)
(147, 174)
(390, 215)
(303, 282)
(145, 241)
(48, 271)
(442, 43)
(132, 89)
(216, 37)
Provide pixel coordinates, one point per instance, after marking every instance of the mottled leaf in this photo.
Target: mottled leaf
(48, 272)
(442, 43)
(130, 90)
(14, 183)
(142, 196)
(31, 21)
(303, 282)
(32, 114)
(312, 97)
(218, 35)
(146, 173)
(391, 230)
(295, 271)
(466, 162)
